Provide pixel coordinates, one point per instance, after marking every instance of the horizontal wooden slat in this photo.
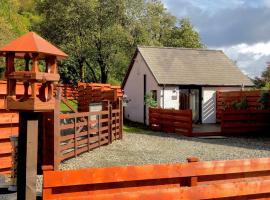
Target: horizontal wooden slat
(107, 175)
(5, 162)
(83, 149)
(5, 147)
(213, 191)
(5, 133)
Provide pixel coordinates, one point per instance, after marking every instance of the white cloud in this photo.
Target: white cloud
(266, 3)
(250, 58)
(239, 27)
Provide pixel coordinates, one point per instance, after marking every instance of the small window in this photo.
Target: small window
(154, 94)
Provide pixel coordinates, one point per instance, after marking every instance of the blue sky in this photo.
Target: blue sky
(241, 28)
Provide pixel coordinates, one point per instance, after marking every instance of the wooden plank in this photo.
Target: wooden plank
(5, 148)
(5, 133)
(9, 118)
(56, 125)
(82, 150)
(112, 174)
(31, 159)
(5, 162)
(228, 190)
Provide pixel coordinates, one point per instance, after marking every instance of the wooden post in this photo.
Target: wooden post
(98, 126)
(11, 84)
(192, 181)
(57, 134)
(27, 156)
(75, 136)
(31, 159)
(121, 121)
(110, 122)
(88, 132)
(190, 124)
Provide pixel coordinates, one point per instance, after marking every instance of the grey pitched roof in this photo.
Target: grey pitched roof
(182, 66)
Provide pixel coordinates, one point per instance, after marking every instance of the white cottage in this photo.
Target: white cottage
(180, 78)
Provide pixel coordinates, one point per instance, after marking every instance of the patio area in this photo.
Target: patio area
(206, 130)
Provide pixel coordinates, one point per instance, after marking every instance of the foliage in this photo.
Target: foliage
(150, 101)
(240, 105)
(263, 81)
(264, 99)
(16, 17)
(183, 36)
(100, 36)
(266, 86)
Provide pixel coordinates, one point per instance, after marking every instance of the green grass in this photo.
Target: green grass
(133, 127)
(73, 103)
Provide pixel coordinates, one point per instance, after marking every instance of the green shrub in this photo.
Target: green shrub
(150, 101)
(264, 99)
(241, 105)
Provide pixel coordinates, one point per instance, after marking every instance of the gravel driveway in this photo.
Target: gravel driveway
(154, 148)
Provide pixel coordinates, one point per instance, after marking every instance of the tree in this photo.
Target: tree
(264, 80)
(183, 36)
(101, 36)
(13, 23)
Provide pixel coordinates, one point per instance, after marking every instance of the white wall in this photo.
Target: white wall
(134, 90)
(209, 102)
(171, 97)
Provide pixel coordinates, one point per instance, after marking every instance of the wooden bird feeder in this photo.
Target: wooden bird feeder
(38, 85)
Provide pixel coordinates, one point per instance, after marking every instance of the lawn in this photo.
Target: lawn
(73, 103)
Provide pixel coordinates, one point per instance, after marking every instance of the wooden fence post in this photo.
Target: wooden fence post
(27, 156)
(88, 132)
(192, 181)
(99, 132)
(75, 136)
(121, 118)
(56, 135)
(190, 125)
(110, 122)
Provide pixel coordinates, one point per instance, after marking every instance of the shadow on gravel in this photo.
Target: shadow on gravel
(256, 142)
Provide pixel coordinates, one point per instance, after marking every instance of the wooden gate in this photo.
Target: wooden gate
(80, 132)
(232, 179)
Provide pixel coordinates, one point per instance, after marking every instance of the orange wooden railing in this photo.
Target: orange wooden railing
(232, 179)
(170, 120)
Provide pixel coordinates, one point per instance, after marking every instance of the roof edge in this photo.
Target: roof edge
(180, 48)
(131, 66)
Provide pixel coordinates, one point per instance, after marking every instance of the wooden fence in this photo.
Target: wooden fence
(97, 92)
(169, 120)
(245, 121)
(232, 179)
(9, 122)
(84, 131)
(226, 99)
(68, 91)
(8, 127)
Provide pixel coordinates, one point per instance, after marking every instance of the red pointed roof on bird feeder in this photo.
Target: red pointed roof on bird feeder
(32, 43)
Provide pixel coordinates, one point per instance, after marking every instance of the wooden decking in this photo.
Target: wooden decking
(206, 130)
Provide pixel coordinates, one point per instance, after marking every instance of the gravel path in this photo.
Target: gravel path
(155, 148)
